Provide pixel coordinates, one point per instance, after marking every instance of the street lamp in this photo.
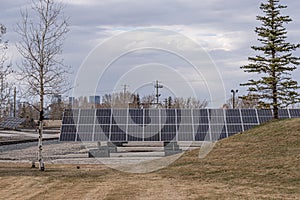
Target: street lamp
(233, 97)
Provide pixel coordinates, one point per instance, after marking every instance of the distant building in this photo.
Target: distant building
(94, 99)
(71, 100)
(56, 98)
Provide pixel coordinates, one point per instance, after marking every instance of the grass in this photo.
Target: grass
(262, 163)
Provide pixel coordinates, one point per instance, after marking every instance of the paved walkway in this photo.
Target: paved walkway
(27, 134)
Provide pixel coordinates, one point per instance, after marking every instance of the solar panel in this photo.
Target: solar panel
(249, 118)
(264, 115)
(168, 132)
(101, 132)
(85, 132)
(136, 116)
(283, 114)
(121, 125)
(68, 133)
(234, 129)
(217, 131)
(135, 132)
(185, 132)
(118, 133)
(294, 113)
(233, 116)
(12, 122)
(216, 116)
(201, 132)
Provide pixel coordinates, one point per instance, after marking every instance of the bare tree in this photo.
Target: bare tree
(246, 101)
(189, 102)
(42, 32)
(148, 101)
(5, 71)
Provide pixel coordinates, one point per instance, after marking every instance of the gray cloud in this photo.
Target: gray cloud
(224, 28)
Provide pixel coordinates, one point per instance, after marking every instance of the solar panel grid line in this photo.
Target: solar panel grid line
(159, 125)
(77, 124)
(225, 123)
(201, 124)
(95, 119)
(144, 125)
(110, 125)
(176, 127)
(289, 113)
(295, 113)
(193, 127)
(242, 121)
(217, 123)
(258, 122)
(61, 127)
(209, 127)
(127, 118)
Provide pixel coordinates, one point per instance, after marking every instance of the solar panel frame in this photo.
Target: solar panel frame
(294, 113)
(233, 116)
(11, 122)
(283, 114)
(264, 115)
(121, 125)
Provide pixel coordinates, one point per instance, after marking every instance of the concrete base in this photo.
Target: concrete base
(103, 150)
(99, 153)
(132, 149)
(171, 148)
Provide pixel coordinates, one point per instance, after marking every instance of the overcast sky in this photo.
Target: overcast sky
(225, 29)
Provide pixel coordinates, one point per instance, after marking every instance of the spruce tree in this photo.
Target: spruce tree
(275, 87)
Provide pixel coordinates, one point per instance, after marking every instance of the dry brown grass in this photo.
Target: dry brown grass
(263, 163)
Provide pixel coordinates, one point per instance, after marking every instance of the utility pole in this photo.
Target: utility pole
(124, 93)
(15, 101)
(166, 103)
(233, 97)
(157, 86)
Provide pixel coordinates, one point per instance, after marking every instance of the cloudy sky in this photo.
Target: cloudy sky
(224, 29)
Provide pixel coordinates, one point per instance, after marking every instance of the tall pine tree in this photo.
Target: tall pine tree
(275, 88)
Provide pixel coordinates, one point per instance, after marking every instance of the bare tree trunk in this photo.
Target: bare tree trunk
(40, 146)
(41, 129)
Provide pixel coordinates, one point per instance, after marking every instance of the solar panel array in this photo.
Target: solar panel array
(11, 122)
(121, 125)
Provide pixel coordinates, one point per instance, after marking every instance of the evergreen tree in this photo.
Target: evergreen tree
(275, 88)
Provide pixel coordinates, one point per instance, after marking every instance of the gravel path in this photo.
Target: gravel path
(28, 151)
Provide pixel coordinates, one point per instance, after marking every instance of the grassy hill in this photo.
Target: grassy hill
(262, 163)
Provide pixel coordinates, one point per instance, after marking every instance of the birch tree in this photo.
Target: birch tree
(5, 71)
(42, 31)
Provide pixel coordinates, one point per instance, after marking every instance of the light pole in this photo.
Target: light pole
(233, 97)
(157, 86)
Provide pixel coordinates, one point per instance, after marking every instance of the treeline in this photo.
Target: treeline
(129, 100)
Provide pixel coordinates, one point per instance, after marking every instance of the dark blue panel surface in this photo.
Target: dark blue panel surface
(168, 132)
(201, 132)
(185, 133)
(264, 115)
(234, 129)
(233, 116)
(218, 131)
(118, 133)
(101, 132)
(68, 133)
(161, 124)
(283, 114)
(295, 113)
